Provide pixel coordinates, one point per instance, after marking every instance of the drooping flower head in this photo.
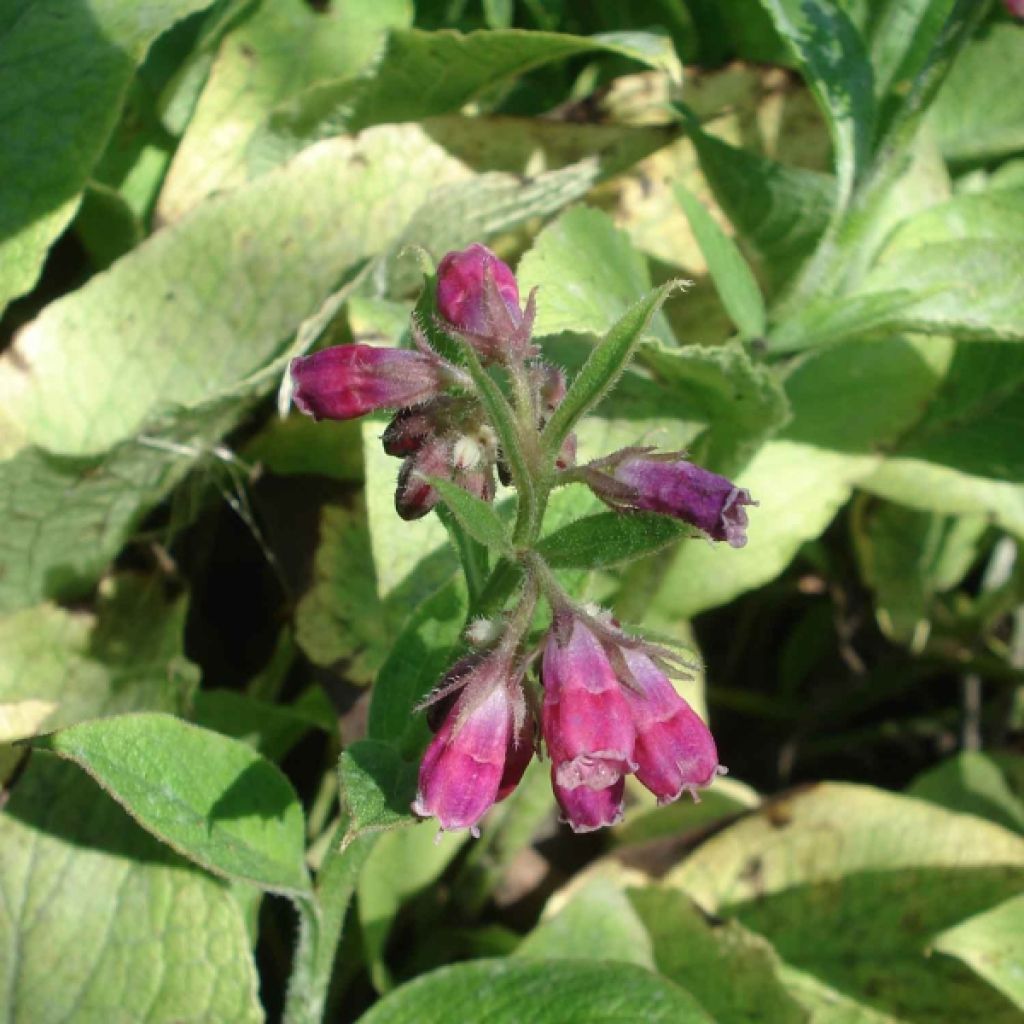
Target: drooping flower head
(637, 479)
(482, 746)
(586, 722)
(609, 711)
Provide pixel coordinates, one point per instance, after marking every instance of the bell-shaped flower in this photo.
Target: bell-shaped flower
(585, 718)
(585, 809)
(675, 751)
(482, 747)
(636, 479)
(347, 381)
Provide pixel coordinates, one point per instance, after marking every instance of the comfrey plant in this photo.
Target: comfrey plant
(605, 707)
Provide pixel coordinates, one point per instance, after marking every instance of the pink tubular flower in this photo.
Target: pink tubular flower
(668, 484)
(674, 751)
(586, 720)
(1015, 8)
(347, 381)
(482, 748)
(587, 809)
(478, 296)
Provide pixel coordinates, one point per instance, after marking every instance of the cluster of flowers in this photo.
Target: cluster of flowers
(608, 709)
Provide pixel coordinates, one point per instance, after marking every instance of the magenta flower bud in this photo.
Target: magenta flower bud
(462, 292)
(1015, 8)
(674, 487)
(482, 748)
(674, 750)
(414, 495)
(585, 809)
(586, 721)
(351, 380)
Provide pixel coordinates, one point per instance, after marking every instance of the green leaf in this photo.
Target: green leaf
(272, 56)
(587, 273)
(210, 798)
(377, 788)
(973, 783)
(908, 557)
(99, 922)
(848, 883)
(49, 51)
(476, 516)
(996, 215)
(989, 944)
(987, 78)
(343, 617)
(405, 862)
(126, 657)
(827, 319)
(417, 661)
(272, 729)
(733, 972)
(555, 991)
(780, 211)
(95, 366)
(802, 477)
(66, 518)
(831, 54)
(608, 538)
(967, 288)
(734, 281)
(593, 922)
(900, 40)
(604, 366)
(425, 73)
(646, 821)
(741, 403)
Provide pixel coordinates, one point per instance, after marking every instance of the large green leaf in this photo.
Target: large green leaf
(272, 56)
(780, 211)
(847, 400)
(99, 922)
(211, 798)
(974, 783)
(66, 517)
(849, 883)
(65, 66)
(900, 39)
(995, 215)
(990, 944)
(587, 274)
(733, 972)
(551, 992)
(741, 402)
(987, 78)
(594, 921)
(76, 665)
(967, 288)
(963, 456)
(235, 279)
(831, 54)
(425, 73)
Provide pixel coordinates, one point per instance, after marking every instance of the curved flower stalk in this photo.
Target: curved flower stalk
(602, 700)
